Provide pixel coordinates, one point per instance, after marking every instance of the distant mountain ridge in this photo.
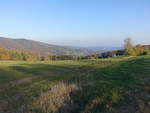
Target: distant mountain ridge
(101, 49)
(40, 48)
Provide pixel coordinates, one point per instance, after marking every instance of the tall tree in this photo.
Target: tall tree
(128, 43)
(128, 46)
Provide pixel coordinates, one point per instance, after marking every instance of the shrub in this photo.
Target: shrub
(115, 96)
(52, 100)
(136, 51)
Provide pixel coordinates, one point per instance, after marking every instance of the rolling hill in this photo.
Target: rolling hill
(40, 48)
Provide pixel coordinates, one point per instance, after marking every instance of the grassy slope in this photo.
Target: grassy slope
(109, 85)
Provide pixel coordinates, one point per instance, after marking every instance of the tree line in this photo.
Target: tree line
(131, 50)
(128, 50)
(7, 54)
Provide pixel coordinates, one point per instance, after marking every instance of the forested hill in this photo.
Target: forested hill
(40, 48)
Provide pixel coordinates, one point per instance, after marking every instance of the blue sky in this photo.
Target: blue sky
(76, 22)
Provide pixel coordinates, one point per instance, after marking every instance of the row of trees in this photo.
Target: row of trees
(6, 54)
(62, 57)
(137, 50)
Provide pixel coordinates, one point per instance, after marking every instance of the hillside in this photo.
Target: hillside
(7, 54)
(40, 48)
(114, 85)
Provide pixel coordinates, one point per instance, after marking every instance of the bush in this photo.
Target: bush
(137, 51)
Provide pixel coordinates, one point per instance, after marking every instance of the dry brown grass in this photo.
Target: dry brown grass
(52, 100)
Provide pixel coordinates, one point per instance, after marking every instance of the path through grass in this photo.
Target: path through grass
(119, 85)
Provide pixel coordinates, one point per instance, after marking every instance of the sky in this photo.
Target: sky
(76, 22)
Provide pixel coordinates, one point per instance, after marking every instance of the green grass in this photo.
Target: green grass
(103, 85)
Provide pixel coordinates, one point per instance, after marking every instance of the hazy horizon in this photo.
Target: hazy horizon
(81, 23)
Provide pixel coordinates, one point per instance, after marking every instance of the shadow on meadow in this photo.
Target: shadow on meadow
(110, 90)
(105, 89)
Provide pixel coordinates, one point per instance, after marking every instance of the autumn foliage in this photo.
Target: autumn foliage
(7, 54)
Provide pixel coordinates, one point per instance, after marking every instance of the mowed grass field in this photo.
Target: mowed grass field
(113, 85)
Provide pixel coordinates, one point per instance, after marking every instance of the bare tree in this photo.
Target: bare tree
(128, 43)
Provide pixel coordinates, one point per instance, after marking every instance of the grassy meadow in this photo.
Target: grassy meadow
(113, 85)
